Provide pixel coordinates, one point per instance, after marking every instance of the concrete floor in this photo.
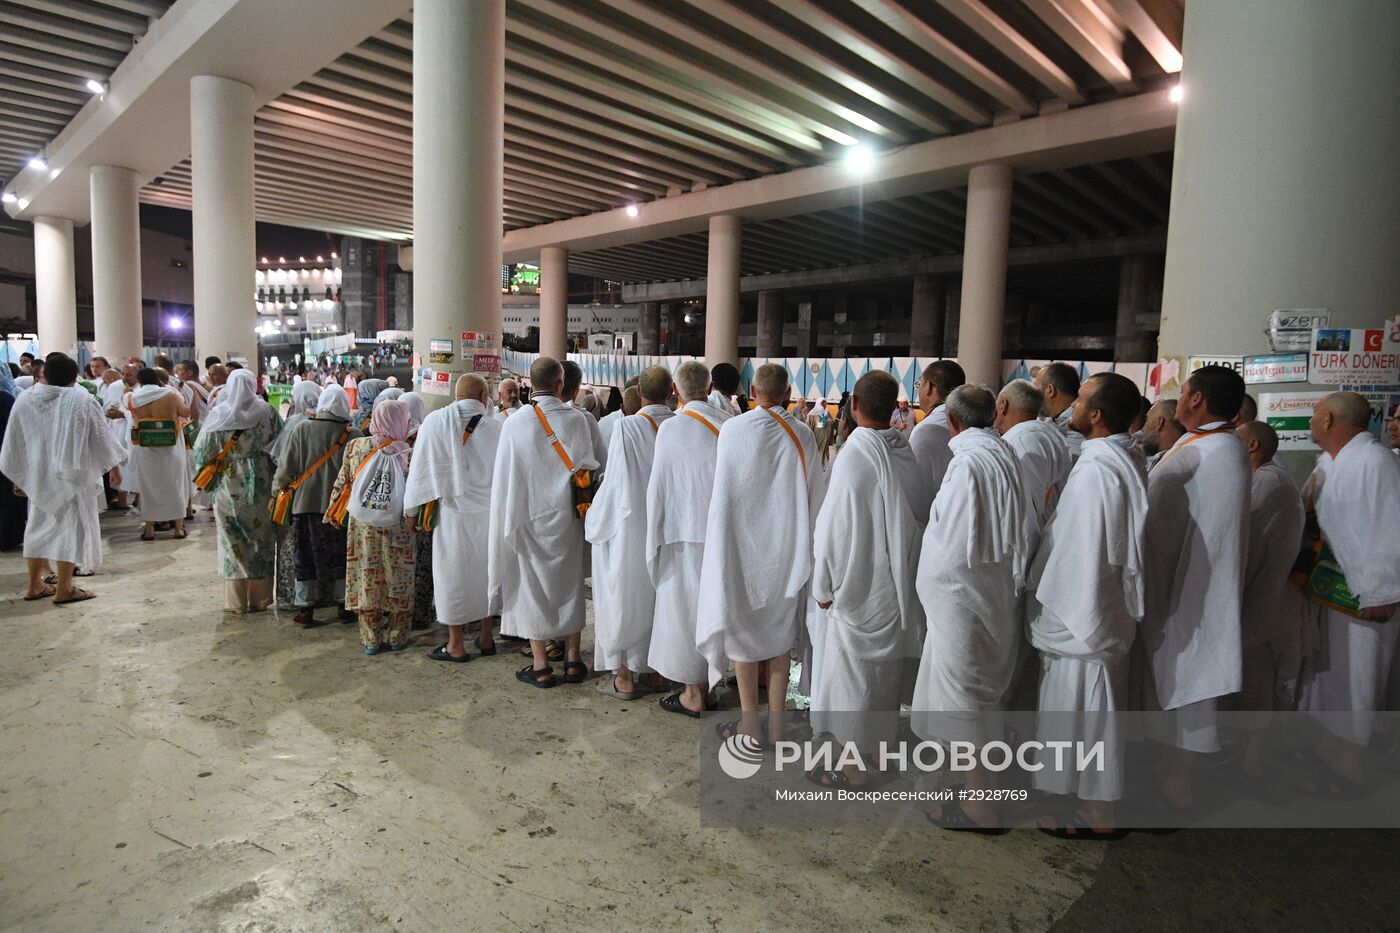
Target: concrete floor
(166, 766)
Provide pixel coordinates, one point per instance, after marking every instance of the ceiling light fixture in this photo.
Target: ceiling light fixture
(53, 173)
(97, 87)
(859, 158)
(632, 210)
(10, 197)
(38, 164)
(1176, 94)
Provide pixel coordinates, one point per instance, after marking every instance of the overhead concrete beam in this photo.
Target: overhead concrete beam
(1126, 128)
(143, 121)
(888, 269)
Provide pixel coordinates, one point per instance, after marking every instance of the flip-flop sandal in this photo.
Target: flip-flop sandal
(835, 780)
(484, 652)
(79, 595)
(1076, 830)
(727, 730)
(148, 537)
(440, 654)
(954, 818)
(608, 687)
(554, 652)
(180, 535)
(537, 678)
(48, 594)
(671, 703)
(52, 578)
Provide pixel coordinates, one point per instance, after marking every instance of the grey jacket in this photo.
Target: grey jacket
(308, 440)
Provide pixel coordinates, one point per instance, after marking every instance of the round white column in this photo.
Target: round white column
(458, 134)
(221, 157)
(1285, 173)
(116, 263)
(554, 302)
(55, 288)
(722, 290)
(983, 304)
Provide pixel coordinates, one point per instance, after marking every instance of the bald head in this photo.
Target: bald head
(692, 381)
(873, 399)
(771, 384)
(472, 386)
(631, 400)
(1260, 442)
(1160, 430)
(655, 385)
(546, 376)
(1337, 419)
(1349, 409)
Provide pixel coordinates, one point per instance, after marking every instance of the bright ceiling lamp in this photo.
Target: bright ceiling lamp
(1177, 93)
(10, 197)
(859, 158)
(632, 210)
(97, 87)
(38, 163)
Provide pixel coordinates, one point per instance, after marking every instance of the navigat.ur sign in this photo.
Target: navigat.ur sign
(1340, 355)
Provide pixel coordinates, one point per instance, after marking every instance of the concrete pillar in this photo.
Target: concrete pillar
(116, 263)
(722, 290)
(55, 288)
(1284, 177)
(221, 156)
(807, 326)
(458, 131)
(984, 273)
(770, 324)
(1131, 344)
(927, 316)
(554, 301)
(649, 329)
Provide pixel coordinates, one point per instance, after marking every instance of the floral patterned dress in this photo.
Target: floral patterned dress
(247, 535)
(379, 562)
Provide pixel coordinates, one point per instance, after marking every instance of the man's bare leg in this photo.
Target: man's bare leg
(148, 531)
(746, 678)
(180, 527)
(457, 640)
(538, 652)
(777, 695)
(623, 680)
(64, 588)
(486, 637)
(693, 698)
(37, 568)
(571, 648)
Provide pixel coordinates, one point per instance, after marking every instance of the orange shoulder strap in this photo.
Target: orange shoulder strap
(554, 441)
(792, 434)
(650, 420)
(703, 420)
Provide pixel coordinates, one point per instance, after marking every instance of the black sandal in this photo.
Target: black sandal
(554, 652)
(484, 652)
(671, 703)
(1076, 830)
(727, 730)
(835, 780)
(579, 669)
(537, 678)
(440, 653)
(954, 818)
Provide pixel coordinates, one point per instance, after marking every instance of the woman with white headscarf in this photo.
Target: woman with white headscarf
(389, 394)
(317, 548)
(303, 405)
(379, 561)
(241, 428)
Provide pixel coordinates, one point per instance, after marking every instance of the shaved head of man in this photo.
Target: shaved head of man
(771, 385)
(873, 399)
(971, 406)
(1260, 442)
(938, 381)
(1018, 401)
(1337, 419)
(546, 376)
(470, 385)
(1161, 430)
(655, 385)
(631, 400)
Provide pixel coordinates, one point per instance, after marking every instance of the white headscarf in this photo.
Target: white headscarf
(304, 397)
(239, 407)
(333, 403)
(388, 395)
(417, 407)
